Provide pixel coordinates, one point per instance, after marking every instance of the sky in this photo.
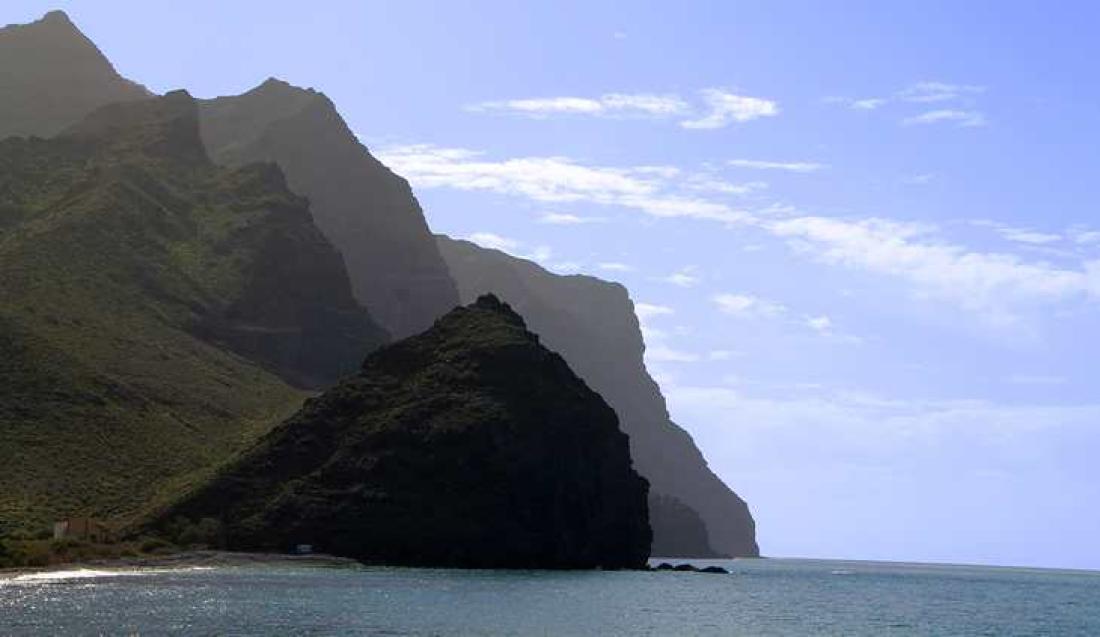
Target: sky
(862, 237)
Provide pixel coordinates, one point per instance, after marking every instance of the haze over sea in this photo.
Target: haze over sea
(759, 597)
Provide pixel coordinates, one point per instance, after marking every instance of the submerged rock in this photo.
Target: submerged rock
(470, 445)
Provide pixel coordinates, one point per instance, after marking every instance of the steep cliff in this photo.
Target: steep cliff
(592, 324)
(156, 311)
(367, 212)
(468, 445)
(51, 76)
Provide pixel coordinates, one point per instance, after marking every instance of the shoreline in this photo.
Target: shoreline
(188, 559)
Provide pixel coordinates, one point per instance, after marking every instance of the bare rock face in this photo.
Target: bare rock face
(469, 445)
(592, 324)
(369, 213)
(51, 76)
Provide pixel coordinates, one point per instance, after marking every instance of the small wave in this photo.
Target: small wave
(50, 577)
(60, 576)
(841, 572)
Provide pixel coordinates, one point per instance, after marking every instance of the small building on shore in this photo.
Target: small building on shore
(87, 529)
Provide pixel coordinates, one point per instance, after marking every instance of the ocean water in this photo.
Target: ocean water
(760, 597)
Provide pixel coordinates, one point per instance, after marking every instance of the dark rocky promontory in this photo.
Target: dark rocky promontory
(592, 324)
(470, 445)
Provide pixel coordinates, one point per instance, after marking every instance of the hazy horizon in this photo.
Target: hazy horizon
(860, 241)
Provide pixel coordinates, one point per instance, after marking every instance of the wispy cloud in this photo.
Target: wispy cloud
(996, 285)
(717, 108)
(960, 118)
(820, 324)
(685, 277)
(646, 189)
(931, 92)
(615, 266)
(988, 282)
(647, 311)
(1019, 235)
(566, 219)
(608, 105)
(788, 166)
(957, 103)
(541, 254)
(747, 306)
(726, 108)
(494, 241)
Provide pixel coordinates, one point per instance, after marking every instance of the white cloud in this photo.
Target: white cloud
(746, 305)
(1085, 237)
(1020, 235)
(647, 311)
(820, 324)
(608, 105)
(614, 266)
(865, 104)
(646, 189)
(566, 219)
(708, 183)
(868, 104)
(997, 285)
(727, 108)
(966, 119)
(928, 93)
(931, 92)
(789, 166)
(494, 241)
(685, 277)
(987, 282)
(719, 108)
(722, 354)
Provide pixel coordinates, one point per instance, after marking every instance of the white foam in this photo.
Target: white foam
(79, 574)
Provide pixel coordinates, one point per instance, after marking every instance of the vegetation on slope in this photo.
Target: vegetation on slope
(157, 313)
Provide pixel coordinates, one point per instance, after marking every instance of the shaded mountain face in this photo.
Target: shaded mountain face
(593, 325)
(469, 445)
(156, 311)
(367, 212)
(51, 76)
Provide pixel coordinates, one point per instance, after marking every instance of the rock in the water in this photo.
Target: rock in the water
(664, 566)
(686, 568)
(469, 445)
(714, 569)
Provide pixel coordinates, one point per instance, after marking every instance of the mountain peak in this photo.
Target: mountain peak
(58, 17)
(164, 128)
(467, 445)
(53, 75)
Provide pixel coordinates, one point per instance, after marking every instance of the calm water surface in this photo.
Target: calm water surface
(760, 597)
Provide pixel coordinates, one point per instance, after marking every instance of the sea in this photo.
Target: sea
(758, 597)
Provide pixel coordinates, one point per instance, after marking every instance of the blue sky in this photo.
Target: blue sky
(863, 236)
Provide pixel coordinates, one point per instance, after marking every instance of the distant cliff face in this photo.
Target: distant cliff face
(155, 309)
(51, 76)
(368, 212)
(469, 445)
(592, 324)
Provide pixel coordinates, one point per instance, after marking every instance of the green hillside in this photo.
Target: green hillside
(157, 312)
